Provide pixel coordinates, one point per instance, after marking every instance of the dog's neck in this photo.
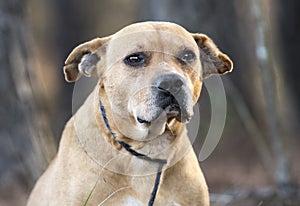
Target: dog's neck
(113, 135)
(97, 140)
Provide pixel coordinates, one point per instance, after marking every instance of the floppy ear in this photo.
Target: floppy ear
(213, 61)
(84, 58)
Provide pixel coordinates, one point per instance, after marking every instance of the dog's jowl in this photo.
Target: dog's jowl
(128, 143)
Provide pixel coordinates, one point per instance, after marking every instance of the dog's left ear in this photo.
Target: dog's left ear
(85, 59)
(213, 61)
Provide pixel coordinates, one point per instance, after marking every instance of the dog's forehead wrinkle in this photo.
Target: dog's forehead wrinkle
(155, 31)
(155, 26)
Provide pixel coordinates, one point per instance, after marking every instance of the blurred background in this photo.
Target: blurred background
(257, 160)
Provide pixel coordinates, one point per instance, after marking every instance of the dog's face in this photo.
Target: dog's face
(151, 74)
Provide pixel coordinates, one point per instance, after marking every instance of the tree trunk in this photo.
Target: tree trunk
(265, 58)
(24, 127)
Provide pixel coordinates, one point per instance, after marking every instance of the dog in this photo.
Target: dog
(127, 145)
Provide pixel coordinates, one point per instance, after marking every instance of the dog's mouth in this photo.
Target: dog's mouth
(167, 106)
(171, 111)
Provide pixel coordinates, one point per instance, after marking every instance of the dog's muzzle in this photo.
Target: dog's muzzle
(173, 97)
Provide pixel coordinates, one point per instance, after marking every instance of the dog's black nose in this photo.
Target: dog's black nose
(171, 83)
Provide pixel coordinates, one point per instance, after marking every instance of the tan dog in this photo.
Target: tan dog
(127, 145)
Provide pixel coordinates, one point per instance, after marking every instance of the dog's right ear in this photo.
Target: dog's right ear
(85, 59)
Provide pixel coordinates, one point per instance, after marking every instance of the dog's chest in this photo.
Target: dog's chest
(131, 201)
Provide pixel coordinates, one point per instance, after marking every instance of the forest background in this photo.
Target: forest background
(257, 159)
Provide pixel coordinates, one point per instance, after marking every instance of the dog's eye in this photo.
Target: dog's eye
(187, 57)
(135, 59)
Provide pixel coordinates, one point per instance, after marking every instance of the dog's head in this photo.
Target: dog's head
(151, 74)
